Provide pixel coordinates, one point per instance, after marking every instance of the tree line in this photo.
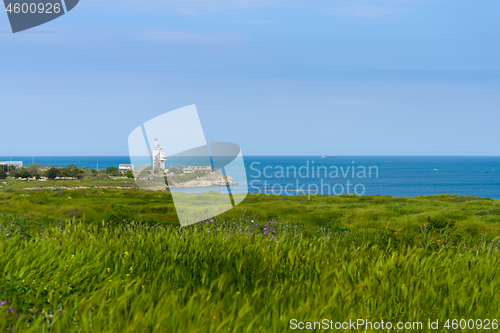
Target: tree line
(51, 173)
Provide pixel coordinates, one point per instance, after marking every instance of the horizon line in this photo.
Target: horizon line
(43, 156)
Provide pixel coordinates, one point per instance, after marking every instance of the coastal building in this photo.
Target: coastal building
(9, 165)
(201, 168)
(188, 170)
(123, 168)
(193, 169)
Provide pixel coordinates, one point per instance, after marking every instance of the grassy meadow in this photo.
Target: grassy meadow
(112, 258)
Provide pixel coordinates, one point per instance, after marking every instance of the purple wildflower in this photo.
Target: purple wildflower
(11, 309)
(3, 302)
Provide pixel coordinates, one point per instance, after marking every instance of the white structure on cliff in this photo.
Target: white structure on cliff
(159, 157)
(9, 165)
(125, 167)
(194, 169)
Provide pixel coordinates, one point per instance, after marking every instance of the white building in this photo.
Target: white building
(207, 168)
(193, 169)
(126, 167)
(8, 165)
(188, 170)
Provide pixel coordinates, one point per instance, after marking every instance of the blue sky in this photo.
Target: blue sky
(276, 77)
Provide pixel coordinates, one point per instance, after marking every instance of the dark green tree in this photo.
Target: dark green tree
(70, 171)
(112, 171)
(3, 174)
(24, 173)
(52, 173)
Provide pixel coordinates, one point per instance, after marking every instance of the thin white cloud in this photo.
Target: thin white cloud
(255, 21)
(355, 8)
(192, 38)
(372, 12)
(189, 7)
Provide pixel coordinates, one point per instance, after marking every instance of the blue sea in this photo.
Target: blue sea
(386, 175)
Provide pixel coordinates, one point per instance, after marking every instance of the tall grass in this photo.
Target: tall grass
(240, 276)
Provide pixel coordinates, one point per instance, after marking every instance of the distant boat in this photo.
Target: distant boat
(327, 156)
(435, 169)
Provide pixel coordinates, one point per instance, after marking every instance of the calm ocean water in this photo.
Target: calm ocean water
(395, 176)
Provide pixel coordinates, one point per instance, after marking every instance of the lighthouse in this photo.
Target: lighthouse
(159, 157)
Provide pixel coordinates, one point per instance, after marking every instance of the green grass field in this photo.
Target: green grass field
(115, 260)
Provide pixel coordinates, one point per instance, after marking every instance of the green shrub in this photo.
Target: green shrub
(119, 215)
(440, 223)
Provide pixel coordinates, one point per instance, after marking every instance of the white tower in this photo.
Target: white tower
(159, 157)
